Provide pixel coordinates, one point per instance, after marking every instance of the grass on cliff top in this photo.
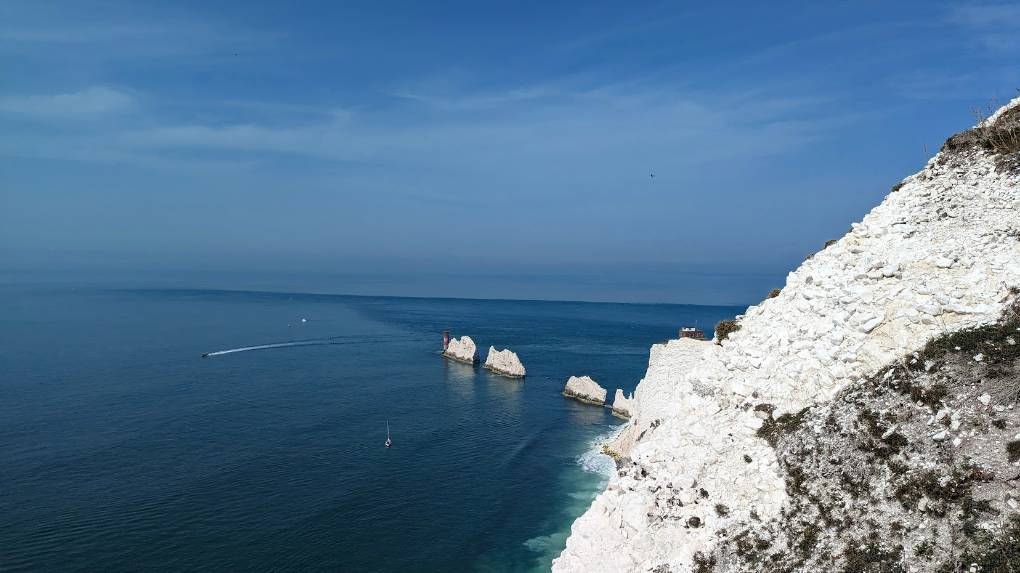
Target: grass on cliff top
(1003, 136)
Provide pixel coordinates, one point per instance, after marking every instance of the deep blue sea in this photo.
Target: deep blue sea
(122, 449)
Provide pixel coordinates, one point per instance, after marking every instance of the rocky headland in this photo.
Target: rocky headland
(586, 390)
(864, 418)
(505, 363)
(462, 349)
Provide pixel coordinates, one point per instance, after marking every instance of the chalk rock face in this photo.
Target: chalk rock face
(504, 362)
(462, 349)
(622, 405)
(585, 389)
(941, 253)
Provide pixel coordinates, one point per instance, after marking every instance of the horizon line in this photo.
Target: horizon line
(65, 286)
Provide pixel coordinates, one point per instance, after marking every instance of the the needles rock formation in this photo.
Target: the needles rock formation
(462, 349)
(585, 389)
(505, 363)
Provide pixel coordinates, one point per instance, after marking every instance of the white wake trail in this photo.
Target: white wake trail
(264, 346)
(313, 342)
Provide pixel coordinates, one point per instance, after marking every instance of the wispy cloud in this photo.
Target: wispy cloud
(85, 34)
(995, 25)
(62, 31)
(478, 101)
(88, 102)
(979, 87)
(564, 133)
(610, 34)
(986, 15)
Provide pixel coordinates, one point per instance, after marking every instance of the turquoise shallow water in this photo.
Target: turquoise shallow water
(122, 449)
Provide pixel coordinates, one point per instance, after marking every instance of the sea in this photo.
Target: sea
(123, 449)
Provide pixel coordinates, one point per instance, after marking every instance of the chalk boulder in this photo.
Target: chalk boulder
(462, 349)
(622, 405)
(504, 362)
(585, 389)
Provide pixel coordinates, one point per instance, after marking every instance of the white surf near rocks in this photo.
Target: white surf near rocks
(939, 254)
(585, 389)
(505, 363)
(622, 405)
(462, 349)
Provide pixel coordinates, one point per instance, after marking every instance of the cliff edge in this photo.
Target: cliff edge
(733, 457)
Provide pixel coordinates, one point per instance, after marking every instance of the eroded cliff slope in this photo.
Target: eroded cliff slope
(718, 439)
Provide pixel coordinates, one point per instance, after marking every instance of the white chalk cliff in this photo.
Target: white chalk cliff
(504, 362)
(941, 253)
(622, 405)
(585, 389)
(462, 349)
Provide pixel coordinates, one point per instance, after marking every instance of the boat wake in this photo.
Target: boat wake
(312, 342)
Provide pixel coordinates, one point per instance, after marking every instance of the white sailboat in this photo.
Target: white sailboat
(389, 442)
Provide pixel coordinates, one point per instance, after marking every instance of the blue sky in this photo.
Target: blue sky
(471, 149)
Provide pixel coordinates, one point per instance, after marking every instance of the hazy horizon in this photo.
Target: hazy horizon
(544, 288)
(496, 151)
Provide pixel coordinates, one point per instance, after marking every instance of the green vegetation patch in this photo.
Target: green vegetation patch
(1013, 451)
(872, 557)
(725, 328)
(997, 343)
(772, 429)
(996, 552)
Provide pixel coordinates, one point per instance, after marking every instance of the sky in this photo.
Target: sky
(471, 149)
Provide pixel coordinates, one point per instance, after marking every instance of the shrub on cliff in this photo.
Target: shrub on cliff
(725, 328)
(775, 292)
(1003, 135)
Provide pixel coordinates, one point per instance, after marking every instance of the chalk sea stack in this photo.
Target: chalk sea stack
(505, 363)
(462, 349)
(622, 404)
(585, 389)
(864, 418)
